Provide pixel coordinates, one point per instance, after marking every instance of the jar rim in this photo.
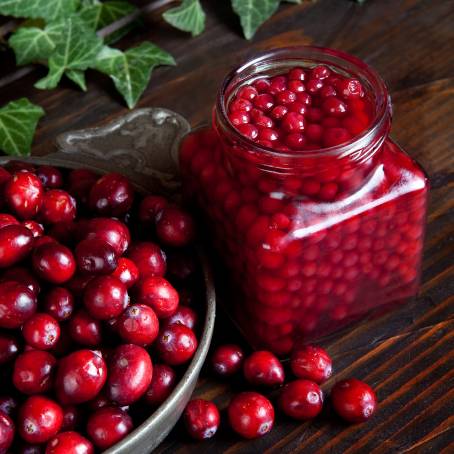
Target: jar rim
(316, 55)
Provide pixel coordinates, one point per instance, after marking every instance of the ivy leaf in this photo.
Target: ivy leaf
(253, 13)
(45, 9)
(131, 70)
(98, 15)
(76, 49)
(18, 120)
(78, 77)
(188, 17)
(32, 44)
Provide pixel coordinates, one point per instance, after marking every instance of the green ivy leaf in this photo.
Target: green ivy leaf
(78, 77)
(98, 15)
(131, 70)
(76, 49)
(253, 13)
(45, 9)
(189, 17)
(32, 44)
(18, 120)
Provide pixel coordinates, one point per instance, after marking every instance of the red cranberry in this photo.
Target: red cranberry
(301, 399)
(293, 122)
(174, 227)
(39, 419)
(138, 325)
(184, 316)
(251, 415)
(149, 259)
(63, 232)
(127, 272)
(8, 405)
(201, 419)
(53, 262)
(109, 230)
(95, 257)
(150, 206)
(50, 177)
(33, 372)
(176, 344)
(227, 360)
(159, 294)
(36, 228)
(108, 426)
(58, 206)
(311, 362)
(353, 400)
(84, 329)
(59, 302)
(16, 242)
(80, 377)
(9, 348)
(14, 166)
(111, 195)
(17, 304)
(45, 239)
(72, 416)
(24, 194)
(130, 373)
(7, 219)
(263, 368)
(26, 448)
(7, 431)
(41, 331)
(69, 443)
(78, 283)
(22, 276)
(162, 384)
(105, 297)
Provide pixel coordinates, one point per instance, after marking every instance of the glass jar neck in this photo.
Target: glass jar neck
(357, 150)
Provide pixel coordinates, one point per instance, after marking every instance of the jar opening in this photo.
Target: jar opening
(278, 60)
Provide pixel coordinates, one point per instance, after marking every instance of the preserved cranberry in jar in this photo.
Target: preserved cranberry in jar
(318, 214)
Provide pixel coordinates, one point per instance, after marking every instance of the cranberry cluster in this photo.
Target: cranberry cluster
(251, 414)
(303, 109)
(94, 291)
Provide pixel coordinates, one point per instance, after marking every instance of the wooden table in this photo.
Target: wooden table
(406, 356)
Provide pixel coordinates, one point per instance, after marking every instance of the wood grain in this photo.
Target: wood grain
(406, 355)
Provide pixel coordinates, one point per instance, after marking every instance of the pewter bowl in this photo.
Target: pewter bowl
(143, 146)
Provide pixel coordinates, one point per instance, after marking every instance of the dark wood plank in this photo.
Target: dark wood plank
(406, 355)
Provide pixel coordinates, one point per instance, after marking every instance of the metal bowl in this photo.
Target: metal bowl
(143, 146)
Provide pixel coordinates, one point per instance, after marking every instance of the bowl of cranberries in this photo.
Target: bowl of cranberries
(106, 310)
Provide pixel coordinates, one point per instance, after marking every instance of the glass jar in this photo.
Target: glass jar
(313, 238)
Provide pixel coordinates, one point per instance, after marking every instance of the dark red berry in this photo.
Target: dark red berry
(9, 347)
(36, 228)
(84, 329)
(150, 206)
(17, 304)
(59, 302)
(7, 431)
(16, 242)
(127, 272)
(95, 256)
(72, 417)
(138, 325)
(162, 384)
(301, 399)
(263, 368)
(227, 360)
(41, 331)
(201, 418)
(50, 177)
(159, 294)
(176, 344)
(69, 443)
(57, 206)
(24, 194)
(184, 316)
(149, 259)
(9, 405)
(53, 262)
(174, 227)
(311, 362)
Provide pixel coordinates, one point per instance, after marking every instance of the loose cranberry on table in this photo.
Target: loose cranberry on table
(227, 360)
(9, 347)
(251, 414)
(41, 331)
(130, 374)
(174, 227)
(159, 294)
(263, 368)
(201, 419)
(176, 344)
(95, 256)
(17, 304)
(111, 195)
(138, 325)
(16, 242)
(311, 362)
(84, 329)
(24, 194)
(162, 384)
(105, 297)
(59, 302)
(184, 316)
(149, 259)
(57, 206)
(301, 399)
(69, 443)
(39, 419)
(34, 372)
(80, 377)
(353, 400)
(53, 262)
(108, 426)
(126, 271)
(7, 431)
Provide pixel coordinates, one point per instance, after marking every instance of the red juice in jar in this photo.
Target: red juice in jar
(317, 213)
